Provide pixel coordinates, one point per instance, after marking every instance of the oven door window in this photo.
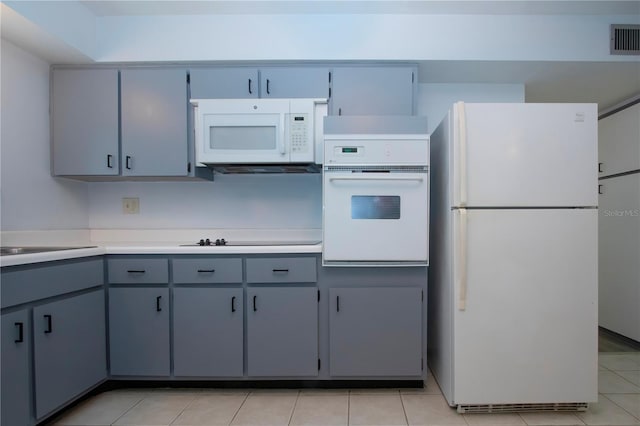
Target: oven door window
(375, 207)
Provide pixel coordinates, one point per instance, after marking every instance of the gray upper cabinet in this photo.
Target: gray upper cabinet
(139, 331)
(294, 82)
(208, 332)
(224, 83)
(282, 331)
(69, 349)
(154, 122)
(383, 90)
(375, 331)
(85, 122)
(619, 142)
(15, 340)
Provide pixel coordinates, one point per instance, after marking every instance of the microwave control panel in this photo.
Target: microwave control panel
(299, 132)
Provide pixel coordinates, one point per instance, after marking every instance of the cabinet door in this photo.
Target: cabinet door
(154, 122)
(224, 83)
(618, 247)
(619, 142)
(282, 331)
(372, 91)
(15, 375)
(375, 331)
(69, 349)
(294, 82)
(139, 331)
(85, 122)
(208, 332)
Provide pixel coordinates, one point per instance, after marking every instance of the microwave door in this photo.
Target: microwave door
(242, 138)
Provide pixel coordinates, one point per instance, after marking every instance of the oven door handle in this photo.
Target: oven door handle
(393, 178)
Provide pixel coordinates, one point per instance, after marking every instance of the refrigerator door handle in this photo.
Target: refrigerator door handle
(462, 138)
(462, 260)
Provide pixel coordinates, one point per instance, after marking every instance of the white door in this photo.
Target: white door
(619, 245)
(527, 332)
(375, 217)
(525, 155)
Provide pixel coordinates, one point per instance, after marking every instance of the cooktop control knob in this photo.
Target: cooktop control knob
(201, 242)
(207, 242)
(221, 242)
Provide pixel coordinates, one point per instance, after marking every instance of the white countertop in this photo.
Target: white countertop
(141, 242)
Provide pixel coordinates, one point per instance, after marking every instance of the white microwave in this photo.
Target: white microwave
(258, 131)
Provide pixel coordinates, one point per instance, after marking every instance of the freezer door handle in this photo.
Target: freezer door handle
(462, 260)
(462, 137)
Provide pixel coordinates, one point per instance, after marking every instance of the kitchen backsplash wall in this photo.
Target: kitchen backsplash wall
(230, 201)
(30, 198)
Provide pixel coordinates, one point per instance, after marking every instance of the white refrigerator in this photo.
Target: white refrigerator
(512, 302)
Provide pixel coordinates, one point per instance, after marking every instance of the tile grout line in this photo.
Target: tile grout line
(294, 407)
(240, 407)
(130, 408)
(183, 410)
(406, 418)
(619, 406)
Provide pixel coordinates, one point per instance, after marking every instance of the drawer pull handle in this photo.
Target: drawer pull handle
(206, 271)
(233, 304)
(127, 162)
(109, 161)
(600, 190)
(599, 167)
(280, 271)
(254, 304)
(337, 303)
(49, 328)
(158, 308)
(136, 271)
(20, 338)
(250, 92)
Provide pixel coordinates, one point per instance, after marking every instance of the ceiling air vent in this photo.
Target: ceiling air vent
(625, 39)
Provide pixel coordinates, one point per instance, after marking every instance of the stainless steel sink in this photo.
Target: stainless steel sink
(11, 250)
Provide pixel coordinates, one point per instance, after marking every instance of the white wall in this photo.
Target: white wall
(434, 100)
(410, 36)
(230, 201)
(30, 199)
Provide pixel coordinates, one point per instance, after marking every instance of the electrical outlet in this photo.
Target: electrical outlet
(131, 205)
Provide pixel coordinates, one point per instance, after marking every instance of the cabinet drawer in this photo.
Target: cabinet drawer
(22, 284)
(205, 271)
(138, 271)
(282, 270)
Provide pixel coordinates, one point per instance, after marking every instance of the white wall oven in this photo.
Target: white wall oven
(376, 200)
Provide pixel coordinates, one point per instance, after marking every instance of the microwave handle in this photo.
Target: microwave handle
(283, 133)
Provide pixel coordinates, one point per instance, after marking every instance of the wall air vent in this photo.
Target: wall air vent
(625, 39)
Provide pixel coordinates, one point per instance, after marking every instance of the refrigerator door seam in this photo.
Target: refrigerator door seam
(462, 131)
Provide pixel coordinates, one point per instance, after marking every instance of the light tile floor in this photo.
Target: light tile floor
(618, 404)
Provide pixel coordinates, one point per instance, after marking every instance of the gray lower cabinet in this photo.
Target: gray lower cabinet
(139, 331)
(383, 90)
(282, 331)
(375, 331)
(15, 373)
(69, 349)
(208, 332)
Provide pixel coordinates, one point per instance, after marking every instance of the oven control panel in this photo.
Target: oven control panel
(404, 149)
